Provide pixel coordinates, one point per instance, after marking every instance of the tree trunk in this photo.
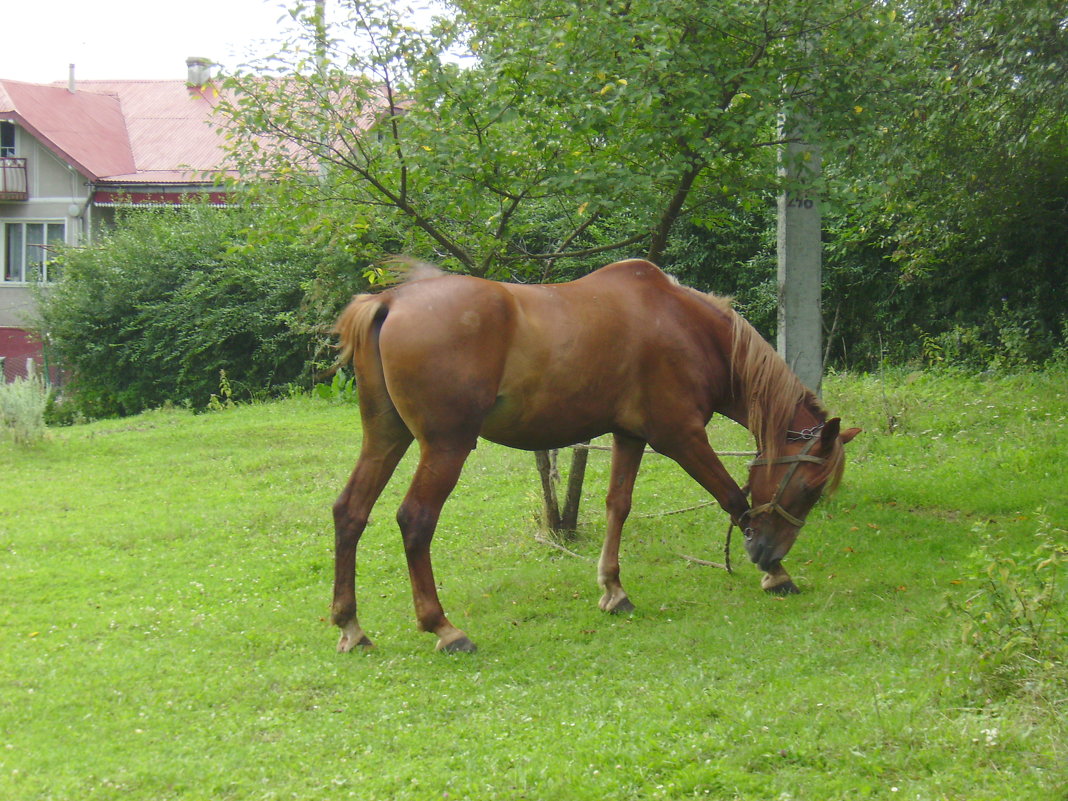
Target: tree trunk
(555, 520)
(569, 517)
(550, 506)
(671, 212)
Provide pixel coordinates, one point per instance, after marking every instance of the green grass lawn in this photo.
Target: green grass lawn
(165, 584)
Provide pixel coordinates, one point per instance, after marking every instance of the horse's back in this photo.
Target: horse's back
(579, 356)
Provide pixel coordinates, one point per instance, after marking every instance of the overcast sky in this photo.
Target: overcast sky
(109, 39)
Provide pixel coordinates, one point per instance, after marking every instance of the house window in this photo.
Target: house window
(7, 139)
(29, 250)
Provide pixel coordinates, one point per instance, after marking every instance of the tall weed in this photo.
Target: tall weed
(225, 398)
(1017, 619)
(341, 389)
(22, 408)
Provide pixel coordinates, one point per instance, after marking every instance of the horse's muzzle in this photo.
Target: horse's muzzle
(763, 554)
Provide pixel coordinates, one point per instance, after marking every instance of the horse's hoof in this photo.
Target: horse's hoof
(786, 588)
(461, 645)
(621, 607)
(347, 643)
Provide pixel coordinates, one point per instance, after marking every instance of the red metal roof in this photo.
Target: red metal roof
(171, 127)
(128, 132)
(86, 129)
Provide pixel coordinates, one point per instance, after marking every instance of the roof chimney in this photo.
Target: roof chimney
(70, 80)
(199, 70)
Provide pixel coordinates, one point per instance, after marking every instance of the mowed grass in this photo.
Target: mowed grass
(165, 582)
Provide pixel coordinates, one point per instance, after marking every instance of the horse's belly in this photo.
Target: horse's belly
(514, 426)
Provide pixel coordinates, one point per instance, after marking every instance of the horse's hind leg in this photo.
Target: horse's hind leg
(434, 479)
(385, 441)
(626, 458)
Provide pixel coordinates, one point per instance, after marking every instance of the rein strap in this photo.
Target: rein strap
(799, 457)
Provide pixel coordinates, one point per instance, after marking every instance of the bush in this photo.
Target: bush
(1016, 619)
(22, 408)
(154, 312)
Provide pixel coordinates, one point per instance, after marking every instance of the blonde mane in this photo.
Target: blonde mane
(772, 391)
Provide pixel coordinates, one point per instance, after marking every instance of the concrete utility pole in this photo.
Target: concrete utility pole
(800, 333)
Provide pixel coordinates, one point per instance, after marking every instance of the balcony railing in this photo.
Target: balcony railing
(13, 184)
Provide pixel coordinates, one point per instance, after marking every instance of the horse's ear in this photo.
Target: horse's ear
(849, 433)
(829, 432)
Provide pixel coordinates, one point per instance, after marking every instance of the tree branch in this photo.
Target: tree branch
(577, 254)
(550, 263)
(671, 212)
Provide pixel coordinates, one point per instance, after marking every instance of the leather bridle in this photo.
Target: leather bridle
(809, 436)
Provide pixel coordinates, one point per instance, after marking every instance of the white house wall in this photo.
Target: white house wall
(57, 193)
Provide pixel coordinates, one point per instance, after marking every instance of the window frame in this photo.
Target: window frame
(8, 139)
(28, 266)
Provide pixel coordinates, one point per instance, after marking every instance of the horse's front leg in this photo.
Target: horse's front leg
(626, 459)
(778, 582)
(690, 449)
(434, 479)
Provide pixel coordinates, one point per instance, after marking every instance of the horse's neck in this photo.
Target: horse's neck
(734, 408)
(756, 376)
(806, 415)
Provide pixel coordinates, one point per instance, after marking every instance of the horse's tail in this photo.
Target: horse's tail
(355, 324)
(358, 319)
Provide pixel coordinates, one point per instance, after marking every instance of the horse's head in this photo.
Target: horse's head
(785, 487)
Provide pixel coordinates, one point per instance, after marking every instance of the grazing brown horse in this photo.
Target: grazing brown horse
(446, 359)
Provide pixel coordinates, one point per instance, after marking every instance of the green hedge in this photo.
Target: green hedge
(152, 313)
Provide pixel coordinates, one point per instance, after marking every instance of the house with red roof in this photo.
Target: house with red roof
(70, 153)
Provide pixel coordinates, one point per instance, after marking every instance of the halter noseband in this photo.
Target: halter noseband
(809, 436)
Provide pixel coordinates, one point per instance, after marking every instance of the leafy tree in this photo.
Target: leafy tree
(957, 224)
(580, 129)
